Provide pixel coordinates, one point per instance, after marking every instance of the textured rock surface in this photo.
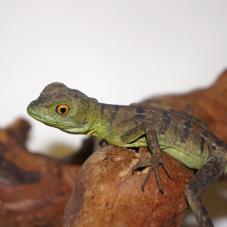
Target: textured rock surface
(107, 194)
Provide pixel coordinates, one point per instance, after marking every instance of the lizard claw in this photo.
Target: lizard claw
(143, 163)
(165, 168)
(153, 164)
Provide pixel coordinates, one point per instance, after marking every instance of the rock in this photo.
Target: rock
(108, 194)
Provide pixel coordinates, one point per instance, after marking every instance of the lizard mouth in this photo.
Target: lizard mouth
(49, 122)
(32, 111)
(37, 117)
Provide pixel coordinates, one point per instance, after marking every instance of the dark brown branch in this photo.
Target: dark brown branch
(33, 188)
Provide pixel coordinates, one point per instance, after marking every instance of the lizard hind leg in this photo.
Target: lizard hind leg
(208, 174)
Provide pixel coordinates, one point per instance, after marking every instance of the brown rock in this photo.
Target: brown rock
(107, 194)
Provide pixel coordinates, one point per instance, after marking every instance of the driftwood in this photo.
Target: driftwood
(34, 189)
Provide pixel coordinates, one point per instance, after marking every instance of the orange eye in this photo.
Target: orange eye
(62, 109)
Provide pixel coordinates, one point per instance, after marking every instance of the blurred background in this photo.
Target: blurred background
(116, 51)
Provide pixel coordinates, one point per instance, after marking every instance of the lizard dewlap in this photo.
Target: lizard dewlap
(179, 135)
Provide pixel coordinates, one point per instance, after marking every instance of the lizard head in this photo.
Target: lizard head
(64, 108)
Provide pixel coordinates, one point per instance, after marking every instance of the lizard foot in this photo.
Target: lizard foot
(153, 164)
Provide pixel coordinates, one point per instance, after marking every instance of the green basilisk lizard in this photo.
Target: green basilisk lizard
(183, 137)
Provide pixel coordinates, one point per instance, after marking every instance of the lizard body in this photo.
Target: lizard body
(176, 133)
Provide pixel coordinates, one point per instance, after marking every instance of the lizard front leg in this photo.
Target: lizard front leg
(155, 160)
(208, 174)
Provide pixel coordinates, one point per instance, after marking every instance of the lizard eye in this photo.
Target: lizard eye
(62, 109)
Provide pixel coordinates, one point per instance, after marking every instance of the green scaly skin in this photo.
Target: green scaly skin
(175, 133)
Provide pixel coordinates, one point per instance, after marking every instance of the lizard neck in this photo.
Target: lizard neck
(86, 121)
(99, 119)
(95, 119)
